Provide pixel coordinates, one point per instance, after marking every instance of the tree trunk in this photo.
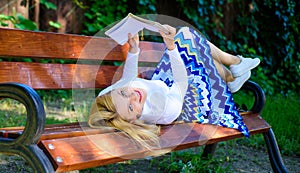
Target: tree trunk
(68, 14)
(46, 16)
(34, 11)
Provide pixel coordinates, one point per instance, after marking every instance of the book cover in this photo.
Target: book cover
(132, 24)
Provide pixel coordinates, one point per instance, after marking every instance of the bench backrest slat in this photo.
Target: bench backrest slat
(65, 61)
(19, 43)
(61, 76)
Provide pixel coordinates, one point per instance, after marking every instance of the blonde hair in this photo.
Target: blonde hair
(103, 114)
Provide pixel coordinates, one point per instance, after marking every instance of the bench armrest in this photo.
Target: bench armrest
(36, 115)
(259, 96)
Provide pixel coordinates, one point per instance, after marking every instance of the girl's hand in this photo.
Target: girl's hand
(169, 38)
(133, 43)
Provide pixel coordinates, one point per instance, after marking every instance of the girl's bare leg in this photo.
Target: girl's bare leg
(223, 57)
(239, 71)
(225, 74)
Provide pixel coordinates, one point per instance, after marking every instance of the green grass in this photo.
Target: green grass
(13, 114)
(188, 161)
(283, 114)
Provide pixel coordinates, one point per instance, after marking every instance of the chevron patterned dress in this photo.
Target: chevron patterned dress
(208, 99)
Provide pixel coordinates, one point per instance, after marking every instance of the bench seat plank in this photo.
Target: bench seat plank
(56, 131)
(81, 152)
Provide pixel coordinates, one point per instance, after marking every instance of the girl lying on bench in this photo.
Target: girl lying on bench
(190, 84)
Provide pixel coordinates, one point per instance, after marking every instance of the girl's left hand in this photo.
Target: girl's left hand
(133, 43)
(169, 38)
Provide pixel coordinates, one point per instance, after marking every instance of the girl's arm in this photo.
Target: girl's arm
(178, 68)
(130, 70)
(175, 96)
(178, 90)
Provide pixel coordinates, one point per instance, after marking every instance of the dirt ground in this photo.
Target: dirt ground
(241, 159)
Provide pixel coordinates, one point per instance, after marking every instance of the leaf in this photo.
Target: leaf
(54, 24)
(49, 5)
(3, 24)
(5, 17)
(89, 16)
(24, 23)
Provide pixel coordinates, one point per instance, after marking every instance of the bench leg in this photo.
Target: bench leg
(38, 160)
(33, 155)
(274, 153)
(209, 150)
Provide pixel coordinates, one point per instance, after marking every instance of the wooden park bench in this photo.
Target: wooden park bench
(66, 147)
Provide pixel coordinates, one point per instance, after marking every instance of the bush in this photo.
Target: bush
(100, 14)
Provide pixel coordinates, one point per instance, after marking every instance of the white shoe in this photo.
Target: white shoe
(244, 66)
(238, 82)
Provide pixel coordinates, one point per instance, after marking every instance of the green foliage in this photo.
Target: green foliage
(53, 120)
(187, 162)
(55, 94)
(279, 40)
(100, 14)
(48, 5)
(267, 29)
(54, 24)
(18, 20)
(51, 6)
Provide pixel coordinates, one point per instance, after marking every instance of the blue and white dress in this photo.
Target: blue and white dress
(208, 99)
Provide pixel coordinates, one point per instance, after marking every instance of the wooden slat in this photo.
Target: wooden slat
(71, 130)
(60, 76)
(55, 131)
(100, 149)
(20, 43)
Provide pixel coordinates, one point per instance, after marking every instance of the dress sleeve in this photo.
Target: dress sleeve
(130, 70)
(179, 72)
(177, 91)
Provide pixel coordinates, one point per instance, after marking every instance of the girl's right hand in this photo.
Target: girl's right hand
(133, 43)
(169, 38)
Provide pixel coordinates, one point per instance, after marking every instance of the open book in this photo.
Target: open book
(132, 24)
